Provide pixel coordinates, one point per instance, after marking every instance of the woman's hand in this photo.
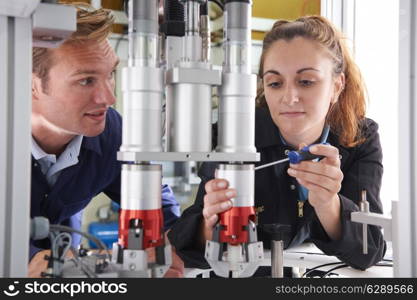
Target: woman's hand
(216, 200)
(323, 180)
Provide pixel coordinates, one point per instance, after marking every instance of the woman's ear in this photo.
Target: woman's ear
(339, 85)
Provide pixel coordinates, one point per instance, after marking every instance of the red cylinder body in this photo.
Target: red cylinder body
(234, 223)
(152, 222)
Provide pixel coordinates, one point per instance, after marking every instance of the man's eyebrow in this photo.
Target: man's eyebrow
(92, 72)
(84, 72)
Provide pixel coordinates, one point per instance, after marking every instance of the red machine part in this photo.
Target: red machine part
(234, 224)
(152, 222)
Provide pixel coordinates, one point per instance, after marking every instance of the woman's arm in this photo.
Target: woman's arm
(363, 171)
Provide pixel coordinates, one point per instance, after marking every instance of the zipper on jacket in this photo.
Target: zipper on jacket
(300, 205)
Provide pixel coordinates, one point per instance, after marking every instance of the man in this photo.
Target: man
(75, 133)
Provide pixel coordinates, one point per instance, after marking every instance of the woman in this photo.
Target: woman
(311, 92)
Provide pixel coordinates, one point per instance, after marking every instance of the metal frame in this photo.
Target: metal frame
(15, 112)
(342, 14)
(405, 225)
(404, 211)
(21, 23)
(374, 219)
(187, 156)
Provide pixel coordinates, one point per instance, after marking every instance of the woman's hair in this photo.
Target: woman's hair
(92, 25)
(346, 114)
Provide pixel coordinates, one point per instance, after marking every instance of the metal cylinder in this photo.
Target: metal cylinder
(235, 258)
(188, 92)
(142, 109)
(237, 93)
(192, 17)
(237, 113)
(143, 33)
(241, 178)
(192, 46)
(141, 187)
(277, 259)
(142, 81)
(237, 37)
(189, 117)
(173, 50)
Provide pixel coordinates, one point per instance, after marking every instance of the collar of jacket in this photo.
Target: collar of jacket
(92, 143)
(267, 134)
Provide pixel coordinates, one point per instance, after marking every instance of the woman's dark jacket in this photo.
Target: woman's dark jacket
(276, 199)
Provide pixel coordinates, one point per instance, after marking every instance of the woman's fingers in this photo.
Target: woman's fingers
(219, 196)
(216, 185)
(318, 168)
(325, 174)
(216, 207)
(331, 153)
(316, 189)
(211, 222)
(217, 200)
(330, 184)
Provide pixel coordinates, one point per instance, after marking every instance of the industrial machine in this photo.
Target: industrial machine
(175, 63)
(168, 67)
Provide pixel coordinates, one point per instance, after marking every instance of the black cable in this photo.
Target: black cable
(218, 3)
(309, 253)
(320, 266)
(383, 265)
(335, 268)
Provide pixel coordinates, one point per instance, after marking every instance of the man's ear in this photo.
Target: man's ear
(36, 87)
(339, 85)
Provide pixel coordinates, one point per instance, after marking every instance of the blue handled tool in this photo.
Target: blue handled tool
(295, 157)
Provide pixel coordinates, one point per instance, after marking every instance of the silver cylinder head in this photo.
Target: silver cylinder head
(142, 109)
(237, 45)
(192, 17)
(241, 178)
(237, 113)
(141, 187)
(188, 117)
(143, 33)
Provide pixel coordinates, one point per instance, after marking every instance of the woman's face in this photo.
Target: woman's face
(299, 87)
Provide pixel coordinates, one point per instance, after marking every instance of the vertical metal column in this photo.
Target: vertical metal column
(15, 112)
(405, 223)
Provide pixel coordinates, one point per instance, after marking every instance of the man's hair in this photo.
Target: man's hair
(92, 25)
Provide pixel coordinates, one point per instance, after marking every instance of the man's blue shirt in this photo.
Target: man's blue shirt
(98, 170)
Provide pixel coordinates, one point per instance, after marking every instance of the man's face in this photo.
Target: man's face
(79, 91)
